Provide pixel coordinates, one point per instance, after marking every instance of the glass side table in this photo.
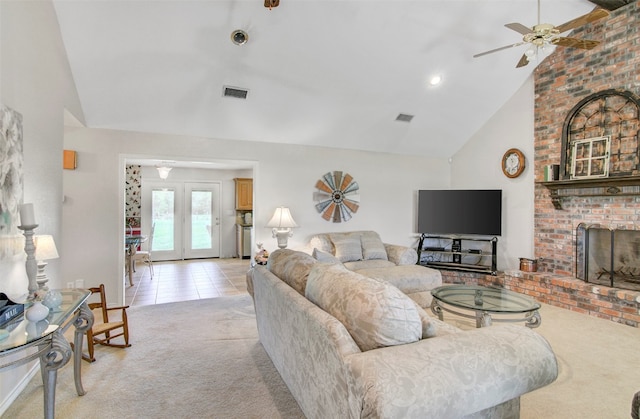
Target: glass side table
(51, 347)
(485, 301)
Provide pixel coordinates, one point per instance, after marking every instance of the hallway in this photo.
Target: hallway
(187, 280)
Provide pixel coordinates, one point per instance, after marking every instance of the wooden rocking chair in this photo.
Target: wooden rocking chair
(102, 333)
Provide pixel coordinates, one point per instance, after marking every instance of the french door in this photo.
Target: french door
(186, 218)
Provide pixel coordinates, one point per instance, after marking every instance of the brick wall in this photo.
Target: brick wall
(562, 81)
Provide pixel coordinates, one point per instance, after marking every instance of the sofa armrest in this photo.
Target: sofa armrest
(401, 255)
(306, 344)
(477, 369)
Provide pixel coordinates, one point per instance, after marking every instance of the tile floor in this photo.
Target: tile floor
(187, 280)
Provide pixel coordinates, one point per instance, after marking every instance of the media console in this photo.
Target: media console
(470, 254)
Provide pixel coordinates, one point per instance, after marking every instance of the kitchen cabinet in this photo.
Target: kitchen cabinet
(244, 194)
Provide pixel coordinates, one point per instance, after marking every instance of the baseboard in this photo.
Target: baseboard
(19, 388)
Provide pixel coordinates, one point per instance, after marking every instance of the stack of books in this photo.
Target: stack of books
(10, 313)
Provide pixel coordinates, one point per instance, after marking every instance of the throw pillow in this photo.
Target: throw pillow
(372, 246)
(348, 247)
(324, 257)
(375, 313)
(292, 267)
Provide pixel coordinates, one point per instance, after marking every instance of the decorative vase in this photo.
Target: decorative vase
(53, 300)
(37, 312)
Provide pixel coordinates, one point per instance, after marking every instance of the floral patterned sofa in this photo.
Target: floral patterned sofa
(351, 346)
(365, 253)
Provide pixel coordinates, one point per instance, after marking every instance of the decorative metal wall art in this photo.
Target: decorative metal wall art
(337, 197)
(610, 113)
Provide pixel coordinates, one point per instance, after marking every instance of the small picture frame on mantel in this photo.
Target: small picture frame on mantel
(590, 158)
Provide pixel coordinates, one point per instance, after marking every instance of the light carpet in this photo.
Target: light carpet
(598, 363)
(203, 359)
(194, 359)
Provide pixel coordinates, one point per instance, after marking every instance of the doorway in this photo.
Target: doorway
(186, 216)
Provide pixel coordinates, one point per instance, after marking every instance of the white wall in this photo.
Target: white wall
(478, 166)
(35, 80)
(283, 175)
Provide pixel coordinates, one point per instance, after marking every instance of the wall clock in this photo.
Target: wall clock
(337, 196)
(513, 163)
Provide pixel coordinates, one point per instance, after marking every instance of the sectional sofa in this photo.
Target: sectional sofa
(365, 252)
(351, 346)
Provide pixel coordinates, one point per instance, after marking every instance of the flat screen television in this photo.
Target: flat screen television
(460, 212)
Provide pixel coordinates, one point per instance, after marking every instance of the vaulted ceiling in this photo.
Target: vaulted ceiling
(330, 73)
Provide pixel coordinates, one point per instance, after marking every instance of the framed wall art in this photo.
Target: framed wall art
(590, 158)
(11, 181)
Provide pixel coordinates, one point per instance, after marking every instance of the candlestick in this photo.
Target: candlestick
(27, 215)
(30, 265)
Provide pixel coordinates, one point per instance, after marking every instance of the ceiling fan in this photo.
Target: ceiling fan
(545, 34)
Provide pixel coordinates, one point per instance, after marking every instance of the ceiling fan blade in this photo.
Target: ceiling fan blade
(575, 43)
(582, 20)
(523, 61)
(498, 49)
(519, 27)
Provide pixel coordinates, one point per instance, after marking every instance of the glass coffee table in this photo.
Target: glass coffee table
(507, 306)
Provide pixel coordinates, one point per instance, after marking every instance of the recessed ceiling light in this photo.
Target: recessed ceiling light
(239, 37)
(435, 80)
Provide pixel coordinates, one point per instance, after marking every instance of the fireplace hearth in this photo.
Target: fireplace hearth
(608, 256)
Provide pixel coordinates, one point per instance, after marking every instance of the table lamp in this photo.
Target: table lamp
(282, 223)
(45, 250)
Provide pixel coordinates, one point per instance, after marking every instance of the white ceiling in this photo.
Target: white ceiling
(330, 73)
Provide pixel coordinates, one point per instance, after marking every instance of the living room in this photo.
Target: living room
(88, 222)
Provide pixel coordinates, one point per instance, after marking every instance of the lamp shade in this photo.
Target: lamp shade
(282, 219)
(45, 247)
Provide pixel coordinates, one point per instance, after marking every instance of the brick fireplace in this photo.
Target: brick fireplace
(562, 82)
(608, 256)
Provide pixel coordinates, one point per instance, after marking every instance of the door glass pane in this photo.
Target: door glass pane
(201, 219)
(162, 213)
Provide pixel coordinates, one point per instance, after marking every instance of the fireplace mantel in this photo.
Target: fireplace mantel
(611, 186)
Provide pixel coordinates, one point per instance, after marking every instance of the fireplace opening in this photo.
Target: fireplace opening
(609, 257)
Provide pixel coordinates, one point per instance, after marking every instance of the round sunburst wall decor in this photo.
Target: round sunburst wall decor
(337, 196)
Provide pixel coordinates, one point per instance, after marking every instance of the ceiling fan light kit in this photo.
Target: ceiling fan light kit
(544, 35)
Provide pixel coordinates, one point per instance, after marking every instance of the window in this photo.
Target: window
(590, 158)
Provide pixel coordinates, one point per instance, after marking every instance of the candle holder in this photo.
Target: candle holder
(31, 265)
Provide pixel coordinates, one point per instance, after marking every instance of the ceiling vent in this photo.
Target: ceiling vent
(404, 117)
(235, 92)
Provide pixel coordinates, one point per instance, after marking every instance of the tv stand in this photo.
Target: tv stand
(456, 250)
(469, 254)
